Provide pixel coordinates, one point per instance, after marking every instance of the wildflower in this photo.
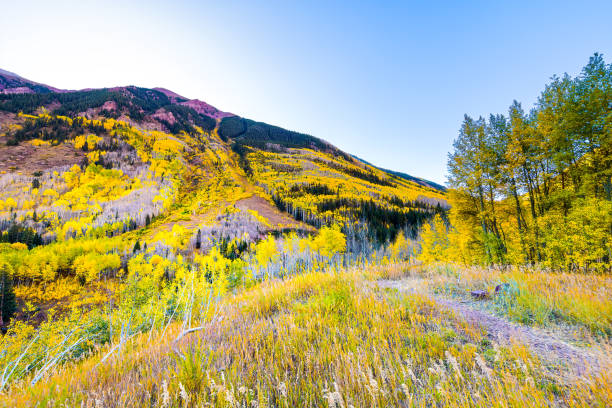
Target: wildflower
(373, 384)
(412, 375)
(282, 389)
(438, 369)
(453, 362)
(184, 394)
(334, 399)
(483, 366)
(165, 396)
(231, 400)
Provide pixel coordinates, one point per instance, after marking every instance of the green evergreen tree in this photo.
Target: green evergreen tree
(8, 303)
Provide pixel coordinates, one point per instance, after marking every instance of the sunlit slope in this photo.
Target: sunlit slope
(322, 187)
(110, 161)
(107, 177)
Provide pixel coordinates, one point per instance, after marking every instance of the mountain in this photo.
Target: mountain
(114, 159)
(126, 209)
(11, 83)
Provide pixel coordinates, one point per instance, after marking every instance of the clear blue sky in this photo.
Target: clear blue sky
(386, 81)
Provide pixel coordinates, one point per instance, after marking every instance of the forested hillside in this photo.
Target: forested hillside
(157, 251)
(116, 203)
(534, 187)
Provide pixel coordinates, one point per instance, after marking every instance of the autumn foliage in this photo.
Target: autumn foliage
(534, 188)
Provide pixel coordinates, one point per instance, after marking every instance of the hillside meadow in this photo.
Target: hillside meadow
(334, 339)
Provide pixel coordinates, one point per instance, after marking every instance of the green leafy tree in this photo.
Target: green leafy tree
(536, 187)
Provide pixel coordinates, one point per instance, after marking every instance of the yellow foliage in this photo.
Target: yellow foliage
(10, 203)
(94, 156)
(260, 218)
(434, 241)
(329, 241)
(167, 146)
(399, 247)
(80, 141)
(177, 237)
(18, 246)
(50, 193)
(266, 251)
(39, 142)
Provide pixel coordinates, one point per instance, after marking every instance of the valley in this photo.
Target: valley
(156, 251)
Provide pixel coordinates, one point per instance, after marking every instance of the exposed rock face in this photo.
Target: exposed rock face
(199, 106)
(162, 114)
(206, 109)
(109, 106)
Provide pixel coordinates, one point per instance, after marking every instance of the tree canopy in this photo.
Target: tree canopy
(535, 187)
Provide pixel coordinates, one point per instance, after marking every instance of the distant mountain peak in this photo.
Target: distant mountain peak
(9, 74)
(205, 109)
(166, 109)
(11, 83)
(172, 95)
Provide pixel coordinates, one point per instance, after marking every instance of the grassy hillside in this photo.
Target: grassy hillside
(320, 339)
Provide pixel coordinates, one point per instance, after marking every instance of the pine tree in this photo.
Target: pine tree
(198, 243)
(8, 304)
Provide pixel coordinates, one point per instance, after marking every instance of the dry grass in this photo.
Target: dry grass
(318, 340)
(277, 219)
(28, 159)
(583, 301)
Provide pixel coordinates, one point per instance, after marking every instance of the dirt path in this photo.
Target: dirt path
(550, 348)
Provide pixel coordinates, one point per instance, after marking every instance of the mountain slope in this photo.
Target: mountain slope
(305, 176)
(133, 207)
(418, 180)
(11, 83)
(212, 162)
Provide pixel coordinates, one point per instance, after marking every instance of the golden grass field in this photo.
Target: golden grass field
(340, 340)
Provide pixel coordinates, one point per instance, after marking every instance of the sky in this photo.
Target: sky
(386, 81)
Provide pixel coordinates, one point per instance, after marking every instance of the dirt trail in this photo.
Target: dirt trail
(550, 348)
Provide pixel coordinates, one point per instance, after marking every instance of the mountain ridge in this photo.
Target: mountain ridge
(422, 181)
(230, 125)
